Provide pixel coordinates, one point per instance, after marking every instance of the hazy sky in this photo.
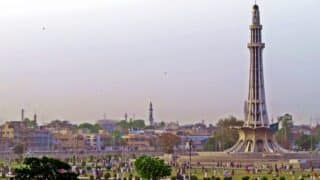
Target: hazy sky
(109, 56)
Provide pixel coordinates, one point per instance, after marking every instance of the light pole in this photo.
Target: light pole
(189, 147)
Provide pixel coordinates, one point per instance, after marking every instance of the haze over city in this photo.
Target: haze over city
(77, 60)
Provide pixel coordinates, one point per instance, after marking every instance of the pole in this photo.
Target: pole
(190, 146)
(311, 146)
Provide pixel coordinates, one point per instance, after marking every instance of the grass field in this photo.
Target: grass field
(238, 174)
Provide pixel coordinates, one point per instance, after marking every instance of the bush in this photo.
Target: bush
(245, 178)
(173, 178)
(282, 178)
(216, 178)
(107, 175)
(227, 178)
(151, 167)
(193, 177)
(264, 178)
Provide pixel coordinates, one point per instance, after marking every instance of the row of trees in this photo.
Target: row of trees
(132, 124)
(44, 168)
(48, 168)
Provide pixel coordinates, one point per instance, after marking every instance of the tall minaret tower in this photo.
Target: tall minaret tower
(256, 136)
(35, 118)
(22, 114)
(151, 120)
(255, 107)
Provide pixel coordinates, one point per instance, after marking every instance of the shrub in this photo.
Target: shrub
(217, 178)
(151, 167)
(107, 175)
(193, 177)
(173, 178)
(227, 178)
(264, 178)
(245, 178)
(91, 177)
(282, 178)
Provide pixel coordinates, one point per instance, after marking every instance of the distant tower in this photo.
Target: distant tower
(126, 116)
(35, 118)
(22, 114)
(151, 120)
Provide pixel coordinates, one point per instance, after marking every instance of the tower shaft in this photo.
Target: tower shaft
(255, 107)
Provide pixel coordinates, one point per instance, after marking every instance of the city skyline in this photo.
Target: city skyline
(79, 62)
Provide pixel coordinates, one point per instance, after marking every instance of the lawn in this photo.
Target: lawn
(238, 174)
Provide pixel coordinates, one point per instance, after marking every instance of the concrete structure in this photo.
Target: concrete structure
(256, 136)
(94, 142)
(39, 139)
(139, 142)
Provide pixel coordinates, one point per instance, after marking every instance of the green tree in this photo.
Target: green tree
(30, 123)
(210, 144)
(93, 128)
(168, 141)
(284, 135)
(304, 142)
(139, 124)
(151, 168)
(224, 137)
(44, 168)
(116, 137)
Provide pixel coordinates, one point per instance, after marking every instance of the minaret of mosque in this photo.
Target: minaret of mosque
(255, 107)
(151, 120)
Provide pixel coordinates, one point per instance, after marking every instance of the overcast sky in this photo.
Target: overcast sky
(79, 59)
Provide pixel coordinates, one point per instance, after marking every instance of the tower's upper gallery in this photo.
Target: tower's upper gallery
(256, 15)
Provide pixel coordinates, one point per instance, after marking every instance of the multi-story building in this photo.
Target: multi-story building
(138, 142)
(13, 132)
(94, 142)
(39, 139)
(68, 140)
(58, 125)
(33, 139)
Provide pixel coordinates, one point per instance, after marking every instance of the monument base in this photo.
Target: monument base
(256, 140)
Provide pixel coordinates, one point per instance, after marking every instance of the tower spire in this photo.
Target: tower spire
(256, 110)
(22, 114)
(151, 114)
